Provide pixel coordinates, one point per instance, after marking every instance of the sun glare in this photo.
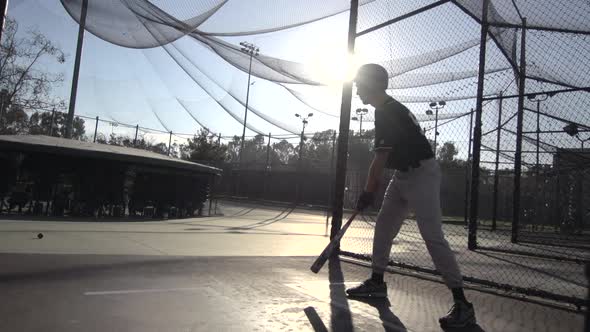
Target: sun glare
(333, 66)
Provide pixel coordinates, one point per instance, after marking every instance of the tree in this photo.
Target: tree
(25, 86)
(283, 152)
(23, 82)
(447, 153)
(203, 148)
(317, 151)
(41, 124)
(141, 143)
(18, 122)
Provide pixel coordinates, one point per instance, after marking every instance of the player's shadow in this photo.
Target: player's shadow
(391, 323)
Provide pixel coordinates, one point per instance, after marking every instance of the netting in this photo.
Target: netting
(143, 24)
(543, 251)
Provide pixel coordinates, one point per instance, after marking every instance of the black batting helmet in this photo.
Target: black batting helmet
(373, 76)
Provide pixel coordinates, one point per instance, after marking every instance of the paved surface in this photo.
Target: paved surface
(557, 276)
(247, 271)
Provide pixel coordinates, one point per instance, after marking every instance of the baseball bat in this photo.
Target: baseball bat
(321, 260)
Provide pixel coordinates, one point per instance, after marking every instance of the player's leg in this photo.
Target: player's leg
(389, 221)
(424, 199)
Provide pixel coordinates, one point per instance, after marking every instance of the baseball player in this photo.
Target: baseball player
(400, 144)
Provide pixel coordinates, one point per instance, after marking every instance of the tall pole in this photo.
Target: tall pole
(473, 214)
(95, 129)
(268, 153)
(72, 106)
(301, 141)
(496, 175)
(468, 165)
(331, 181)
(538, 133)
(251, 50)
(4, 9)
(169, 143)
(267, 167)
(246, 111)
(136, 132)
(51, 123)
(304, 122)
(342, 157)
(435, 131)
(518, 153)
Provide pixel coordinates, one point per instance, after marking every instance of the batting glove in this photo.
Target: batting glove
(365, 200)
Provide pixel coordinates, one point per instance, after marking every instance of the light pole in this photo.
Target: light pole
(360, 112)
(435, 105)
(300, 161)
(304, 122)
(252, 51)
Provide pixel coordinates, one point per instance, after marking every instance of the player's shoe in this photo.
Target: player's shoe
(369, 288)
(461, 314)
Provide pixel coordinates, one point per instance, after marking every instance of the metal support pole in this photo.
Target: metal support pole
(95, 129)
(435, 131)
(496, 175)
(72, 106)
(169, 143)
(519, 120)
(338, 203)
(136, 132)
(268, 152)
(467, 168)
(331, 181)
(301, 144)
(246, 110)
(473, 215)
(538, 134)
(267, 167)
(51, 123)
(219, 139)
(361, 126)
(536, 214)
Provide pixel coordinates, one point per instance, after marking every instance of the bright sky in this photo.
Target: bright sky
(116, 82)
(147, 87)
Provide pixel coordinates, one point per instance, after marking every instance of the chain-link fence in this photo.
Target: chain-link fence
(516, 109)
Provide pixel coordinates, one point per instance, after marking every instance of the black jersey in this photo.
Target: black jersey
(397, 130)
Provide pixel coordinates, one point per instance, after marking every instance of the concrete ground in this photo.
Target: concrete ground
(245, 271)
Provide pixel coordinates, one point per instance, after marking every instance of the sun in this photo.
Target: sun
(332, 65)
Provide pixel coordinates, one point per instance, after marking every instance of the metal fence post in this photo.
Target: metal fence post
(135, 139)
(519, 121)
(331, 182)
(467, 169)
(169, 143)
(95, 129)
(342, 157)
(51, 123)
(473, 215)
(74, 91)
(496, 176)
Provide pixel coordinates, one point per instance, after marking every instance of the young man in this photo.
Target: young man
(401, 145)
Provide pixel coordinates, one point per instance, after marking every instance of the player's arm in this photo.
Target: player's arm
(376, 169)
